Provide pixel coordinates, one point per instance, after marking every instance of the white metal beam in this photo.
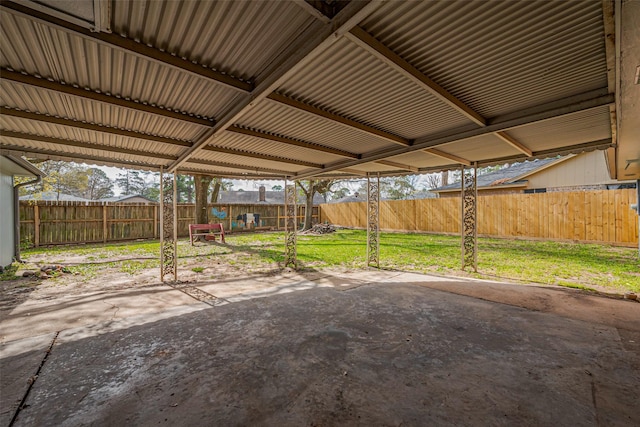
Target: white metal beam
(398, 165)
(514, 143)
(365, 40)
(517, 119)
(448, 156)
(318, 40)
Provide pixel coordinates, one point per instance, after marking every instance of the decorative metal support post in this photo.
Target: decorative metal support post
(469, 196)
(290, 226)
(168, 227)
(638, 211)
(373, 221)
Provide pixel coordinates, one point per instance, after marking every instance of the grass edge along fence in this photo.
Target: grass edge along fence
(45, 223)
(598, 216)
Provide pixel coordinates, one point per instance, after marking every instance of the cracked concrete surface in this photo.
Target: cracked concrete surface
(361, 348)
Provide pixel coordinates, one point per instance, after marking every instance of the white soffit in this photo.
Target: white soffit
(572, 129)
(258, 145)
(274, 117)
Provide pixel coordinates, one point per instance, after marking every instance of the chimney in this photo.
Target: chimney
(263, 194)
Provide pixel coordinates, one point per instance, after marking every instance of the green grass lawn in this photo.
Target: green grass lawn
(584, 266)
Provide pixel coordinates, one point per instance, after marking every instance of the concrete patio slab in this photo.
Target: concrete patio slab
(36, 316)
(387, 349)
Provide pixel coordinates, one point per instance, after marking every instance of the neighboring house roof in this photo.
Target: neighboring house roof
(253, 197)
(511, 176)
(54, 196)
(126, 198)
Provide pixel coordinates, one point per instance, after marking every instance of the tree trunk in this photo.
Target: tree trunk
(216, 191)
(308, 210)
(202, 183)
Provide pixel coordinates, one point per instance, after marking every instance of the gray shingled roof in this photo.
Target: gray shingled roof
(54, 196)
(506, 176)
(253, 197)
(124, 198)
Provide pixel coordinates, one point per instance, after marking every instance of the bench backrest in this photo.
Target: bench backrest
(213, 227)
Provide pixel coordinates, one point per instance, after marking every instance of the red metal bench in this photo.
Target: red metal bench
(206, 230)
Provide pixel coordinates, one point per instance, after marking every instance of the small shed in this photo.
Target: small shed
(11, 167)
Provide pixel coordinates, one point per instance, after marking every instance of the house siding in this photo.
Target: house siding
(586, 171)
(6, 219)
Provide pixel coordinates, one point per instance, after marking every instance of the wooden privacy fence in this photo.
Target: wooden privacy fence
(603, 216)
(52, 223)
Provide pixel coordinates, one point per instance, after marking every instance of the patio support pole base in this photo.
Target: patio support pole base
(168, 227)
(290, 225)
(469, 224)
(373, 221)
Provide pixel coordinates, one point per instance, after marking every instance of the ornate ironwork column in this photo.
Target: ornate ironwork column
(469, 196)
(168, 226)
(373, 221)
(290, 225)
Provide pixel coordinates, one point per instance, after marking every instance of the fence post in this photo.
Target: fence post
(155, 222)
(104, 223)
(36, 225)
(278, 219)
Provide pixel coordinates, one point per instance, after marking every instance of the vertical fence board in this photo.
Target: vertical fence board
(591, 216)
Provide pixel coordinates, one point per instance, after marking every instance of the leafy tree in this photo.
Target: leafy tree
(395, 188)
(313, 186)
(219, 184)
(398, 188)
(99, 186)
(185, 188)
(151, 188)
(340, 193)
(277, 187)
(146, 184)
(64, 177)
(131, 182)
(433, 180)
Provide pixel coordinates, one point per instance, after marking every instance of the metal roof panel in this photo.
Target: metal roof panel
(24, 126)
(499, 56)
(228, 36)
(43, 101)
(348, 81)
(247, 162)
(585, 126)
(37, 48)
(261, 145)
(270, 116)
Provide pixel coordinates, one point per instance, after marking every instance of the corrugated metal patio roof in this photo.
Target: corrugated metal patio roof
(273, 89)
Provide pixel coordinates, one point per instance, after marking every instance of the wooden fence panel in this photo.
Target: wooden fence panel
(51, 223)
(586, 216)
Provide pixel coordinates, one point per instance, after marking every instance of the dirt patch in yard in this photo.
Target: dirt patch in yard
(96, 271)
